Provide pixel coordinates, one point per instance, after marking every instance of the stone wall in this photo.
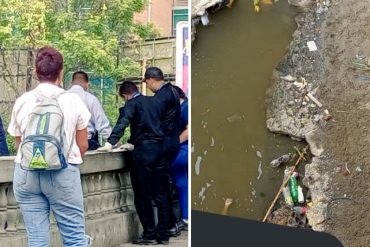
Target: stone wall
(108, 199)
(157, 52)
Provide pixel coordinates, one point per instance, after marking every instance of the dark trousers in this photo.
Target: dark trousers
(94, 141)
(150, 177)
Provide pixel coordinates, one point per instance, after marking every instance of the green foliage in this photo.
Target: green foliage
(87, 32)
(147, 31)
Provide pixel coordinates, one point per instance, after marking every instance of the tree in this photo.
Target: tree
(87, 32)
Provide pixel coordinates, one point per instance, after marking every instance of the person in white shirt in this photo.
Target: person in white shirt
(99, 123)
(39, 192)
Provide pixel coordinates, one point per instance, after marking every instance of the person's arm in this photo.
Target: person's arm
(81, 140)
(126, 114)
(83, 118)
(184, 135)
(17, 142)
(100, 120)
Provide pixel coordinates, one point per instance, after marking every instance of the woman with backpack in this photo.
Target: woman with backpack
(49, 126)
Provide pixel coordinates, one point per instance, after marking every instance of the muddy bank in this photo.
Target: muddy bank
(338, 132)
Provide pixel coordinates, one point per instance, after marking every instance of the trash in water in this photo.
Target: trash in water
(197, 165)
(300, 195)
(234, 118)
(192, 148)
(201, 192)
(254, 192)
(212, 142)
(282, 159)
(259, 154)
(293, 186)
(259, 170)
(208, 185)
(204, 19)
(300, 210)
(287, 197)
(312, 45)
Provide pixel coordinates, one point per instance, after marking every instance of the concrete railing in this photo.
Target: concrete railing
(108, 201)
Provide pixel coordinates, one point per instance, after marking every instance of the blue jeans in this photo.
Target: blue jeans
(179, 173)
(60, 191)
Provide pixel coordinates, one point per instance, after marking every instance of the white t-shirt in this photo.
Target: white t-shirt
(76, 116)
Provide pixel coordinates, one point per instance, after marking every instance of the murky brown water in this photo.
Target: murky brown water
(232, 63)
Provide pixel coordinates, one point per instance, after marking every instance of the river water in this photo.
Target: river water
(232, 63)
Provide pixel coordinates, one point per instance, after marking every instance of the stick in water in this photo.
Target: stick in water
(228, 202)
(301, 156)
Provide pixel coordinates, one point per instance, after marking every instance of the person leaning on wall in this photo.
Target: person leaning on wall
(99, 123)
(49, 126)
(149, 173)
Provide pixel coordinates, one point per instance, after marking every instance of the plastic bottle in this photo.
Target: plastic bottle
(282, 159)
(300, 210)
(293, 185)
(288, 197)
(300, 195)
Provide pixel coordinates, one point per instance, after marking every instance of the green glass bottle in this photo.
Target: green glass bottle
(293, 185)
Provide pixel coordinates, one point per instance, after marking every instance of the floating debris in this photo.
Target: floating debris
(259, 155)
(234, 118)
(278, 161)
(197, 165)
(259, 170)
(201, 192)
(212, 141)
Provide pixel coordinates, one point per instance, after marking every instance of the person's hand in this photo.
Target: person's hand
(126, 147)
(107, 148)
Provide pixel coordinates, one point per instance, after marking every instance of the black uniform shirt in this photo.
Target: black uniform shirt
(168, 101)
(143, 117)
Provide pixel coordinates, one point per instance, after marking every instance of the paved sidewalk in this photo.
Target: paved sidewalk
(180, 241)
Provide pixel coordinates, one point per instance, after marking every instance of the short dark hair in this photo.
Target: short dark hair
(128, 87)
(49, 63)
(155, 73)
(180, 92)
(80, 76)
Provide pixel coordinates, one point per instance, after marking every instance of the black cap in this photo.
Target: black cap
(153, 72)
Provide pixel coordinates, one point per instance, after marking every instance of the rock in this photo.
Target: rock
(318, 182)
(313, 139)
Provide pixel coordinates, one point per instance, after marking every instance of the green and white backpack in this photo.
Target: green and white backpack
(43, 146)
